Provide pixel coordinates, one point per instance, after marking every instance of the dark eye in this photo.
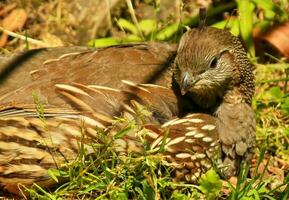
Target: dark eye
(214, 62)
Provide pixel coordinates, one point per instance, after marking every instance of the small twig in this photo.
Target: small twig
(273, 80)
(59, 10)
(202, 17)
(286, 80)
(21, 37)
(109, 20)
(134, 19)
(179, 10)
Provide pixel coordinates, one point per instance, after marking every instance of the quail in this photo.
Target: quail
(212, 69)
(209, 69)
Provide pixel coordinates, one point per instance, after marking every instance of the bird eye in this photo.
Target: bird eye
(214, 62)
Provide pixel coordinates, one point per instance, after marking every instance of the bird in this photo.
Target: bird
(208, 71)
(211, 68)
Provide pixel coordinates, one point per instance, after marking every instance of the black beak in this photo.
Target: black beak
(186, 83)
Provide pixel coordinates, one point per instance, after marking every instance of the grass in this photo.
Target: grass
(106, 175)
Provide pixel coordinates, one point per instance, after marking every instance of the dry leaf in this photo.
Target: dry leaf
(279, 38)
(226, 186)
(14, 21)
(52, 40)
(7, 9)
(274, 169)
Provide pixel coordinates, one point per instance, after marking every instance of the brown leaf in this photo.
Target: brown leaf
(7, 9)
(279, 38)
(226, 185)
(14, 21)
(274, 169)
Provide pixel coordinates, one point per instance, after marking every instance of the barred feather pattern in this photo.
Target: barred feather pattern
(35, 137)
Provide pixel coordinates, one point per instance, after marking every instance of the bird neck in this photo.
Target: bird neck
(243, 82)
(234, 96)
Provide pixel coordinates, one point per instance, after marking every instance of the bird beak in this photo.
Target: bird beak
(187, 82)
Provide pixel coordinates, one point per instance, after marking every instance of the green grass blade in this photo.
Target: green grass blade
(246, 8)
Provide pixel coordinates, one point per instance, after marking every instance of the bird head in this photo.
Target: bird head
(208, 64)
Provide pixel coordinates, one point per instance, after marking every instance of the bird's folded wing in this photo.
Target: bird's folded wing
(141, 63)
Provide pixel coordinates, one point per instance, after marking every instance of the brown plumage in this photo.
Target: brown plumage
(210, 69)
(106, 66)
(36, 138)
